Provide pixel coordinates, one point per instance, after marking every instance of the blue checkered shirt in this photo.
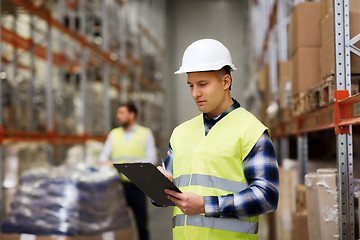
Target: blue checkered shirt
(261, 172)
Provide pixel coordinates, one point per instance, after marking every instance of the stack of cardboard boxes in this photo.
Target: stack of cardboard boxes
(300, 215)
(302, 71)
(287, 204)
(327, 40)
(304, 47)
(311, 64)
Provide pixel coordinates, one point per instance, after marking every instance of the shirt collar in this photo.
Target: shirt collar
(234, 106)
(132, 129)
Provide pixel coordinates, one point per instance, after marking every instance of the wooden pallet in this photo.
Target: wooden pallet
(320, 96)
(285, 114)
(327, 89)
(298, 105)
(328, 86)
(312, 99)
(355, 84)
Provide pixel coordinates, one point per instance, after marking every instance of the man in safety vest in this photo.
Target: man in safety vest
(223, 160)
(131, 143)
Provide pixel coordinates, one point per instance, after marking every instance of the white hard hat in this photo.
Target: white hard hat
(205, 55)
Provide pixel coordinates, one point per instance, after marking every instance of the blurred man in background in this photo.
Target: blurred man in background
(131, 143)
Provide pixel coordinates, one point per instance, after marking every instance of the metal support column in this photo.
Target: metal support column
(121, 14)
(49, 96)
(282, 56)
(344, 137)
(106, 67)
(15, 78)
(32, 77)
(273, 65)
(282, 30)
(61, 70)
(83, 73)
(302, 156)
(1, 128)
(62, 84)
(284, 148)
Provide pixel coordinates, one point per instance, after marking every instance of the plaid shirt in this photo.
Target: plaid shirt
(261, 172)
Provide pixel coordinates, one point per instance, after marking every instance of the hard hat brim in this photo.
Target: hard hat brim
(202, 69)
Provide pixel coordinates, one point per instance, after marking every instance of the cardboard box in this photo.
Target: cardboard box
(263, 77)
(327, 44)
(305, 70)
(304, 28)
(285, 94)
(312, 206)
(328, 204)
(284, 84)
(283, 71)
(300, 226)
(286, 206)
(327, 7)
(300, 199)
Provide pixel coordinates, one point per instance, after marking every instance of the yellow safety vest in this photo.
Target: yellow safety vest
(212, 166)
(129, 151)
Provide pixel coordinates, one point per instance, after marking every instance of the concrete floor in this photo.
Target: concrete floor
(160, 222)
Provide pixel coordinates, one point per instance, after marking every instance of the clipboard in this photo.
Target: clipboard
(149, 180)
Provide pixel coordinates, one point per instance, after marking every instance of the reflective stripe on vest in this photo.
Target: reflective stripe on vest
(210, 181)
(227, 224)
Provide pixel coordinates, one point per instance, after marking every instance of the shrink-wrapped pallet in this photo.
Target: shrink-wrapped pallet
(328, 204)
(312, 206)
(68, 201)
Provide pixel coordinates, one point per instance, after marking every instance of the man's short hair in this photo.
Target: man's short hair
(130, 107)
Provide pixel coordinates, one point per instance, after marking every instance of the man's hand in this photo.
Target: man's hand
(170, 177)
(188, 202)
(108, 163)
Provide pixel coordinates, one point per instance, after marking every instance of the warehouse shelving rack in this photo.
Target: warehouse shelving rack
(119, 63)
(339, 115)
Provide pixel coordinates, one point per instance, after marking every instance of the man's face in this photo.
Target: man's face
(208, 91)
(123, 116)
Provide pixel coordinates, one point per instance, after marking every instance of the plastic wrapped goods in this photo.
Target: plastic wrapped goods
(68, 201)
(328, 203)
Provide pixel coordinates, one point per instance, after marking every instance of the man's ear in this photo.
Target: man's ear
(133, 116)
(227, 81)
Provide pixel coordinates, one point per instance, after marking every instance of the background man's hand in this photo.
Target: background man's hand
(108, 163)
(188, 202)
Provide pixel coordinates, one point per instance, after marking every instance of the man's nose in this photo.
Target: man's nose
(195, 92)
